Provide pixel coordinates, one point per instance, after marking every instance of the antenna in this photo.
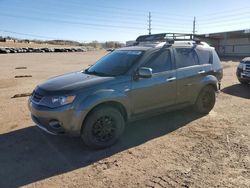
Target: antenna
(149, 23)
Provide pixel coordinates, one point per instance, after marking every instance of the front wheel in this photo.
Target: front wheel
(102, 127)
(205, 101)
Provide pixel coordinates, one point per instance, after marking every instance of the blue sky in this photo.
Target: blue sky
(118, 20)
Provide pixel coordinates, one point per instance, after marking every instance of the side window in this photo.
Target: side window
(210, 57)
(160, 61)
(186, 57)
(205, 56)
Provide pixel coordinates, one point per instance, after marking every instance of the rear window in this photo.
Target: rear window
(216, 58)
(205, 56)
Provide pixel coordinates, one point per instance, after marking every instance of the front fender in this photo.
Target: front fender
(83, 106)
(101, 96)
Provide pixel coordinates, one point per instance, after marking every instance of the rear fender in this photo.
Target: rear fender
(210, 80)
(207, 80)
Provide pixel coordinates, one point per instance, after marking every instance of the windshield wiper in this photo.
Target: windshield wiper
(97, 73)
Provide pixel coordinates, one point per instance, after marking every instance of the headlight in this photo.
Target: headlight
(62, 100)
(57, 101)
(241, 66)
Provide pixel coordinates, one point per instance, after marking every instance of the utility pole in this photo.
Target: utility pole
(194, 23)
(149, 23)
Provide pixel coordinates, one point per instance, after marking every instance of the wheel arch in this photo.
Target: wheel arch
(210, 80)
(117, 105)
(207, 81)
(213, 85)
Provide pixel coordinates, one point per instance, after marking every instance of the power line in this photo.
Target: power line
(135, 20)
(110, 13)
(101, 6)
(222, 12)
(106, 26)
(114, 11)
(159, 23)
(119, 8)
(162, 14)
(101, 14)
(81, 23)
(231, 20)
(225, 16)
(26, 34)
(70, 22)
(134, 10)
(223, 23)
(74, 16)
(85, 9)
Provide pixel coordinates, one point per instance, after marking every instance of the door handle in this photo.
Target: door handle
(171, 79)
(201, 72)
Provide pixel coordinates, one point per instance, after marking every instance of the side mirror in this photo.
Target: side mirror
(144, 72)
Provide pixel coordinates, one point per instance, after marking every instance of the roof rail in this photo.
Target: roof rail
(168, 37)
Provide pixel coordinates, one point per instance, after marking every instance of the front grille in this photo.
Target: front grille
(247, 68)
(36, 97)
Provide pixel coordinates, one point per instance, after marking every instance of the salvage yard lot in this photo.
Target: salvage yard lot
(177, 149)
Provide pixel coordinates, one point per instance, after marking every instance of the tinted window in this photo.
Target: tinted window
(186, 57)
(115, 63)
(160, 61)
(205, 56)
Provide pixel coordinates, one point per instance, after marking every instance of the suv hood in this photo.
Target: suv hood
(71, 82)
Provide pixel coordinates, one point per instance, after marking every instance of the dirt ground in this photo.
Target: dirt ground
(177, 149)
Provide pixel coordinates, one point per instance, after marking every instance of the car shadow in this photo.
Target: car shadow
(239, 90)
(28, 155)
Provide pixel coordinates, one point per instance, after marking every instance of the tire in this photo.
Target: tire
(206, 100)
(243, 81)
(96, 133)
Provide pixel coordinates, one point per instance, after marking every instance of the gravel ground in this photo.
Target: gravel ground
(176, 149)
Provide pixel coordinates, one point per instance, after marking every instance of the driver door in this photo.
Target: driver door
(159, 90)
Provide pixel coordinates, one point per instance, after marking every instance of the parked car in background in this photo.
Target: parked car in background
(243, 71)
(110, 49)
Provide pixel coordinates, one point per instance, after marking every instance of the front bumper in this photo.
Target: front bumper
(41, 126)
(241, 75)
(69, 120)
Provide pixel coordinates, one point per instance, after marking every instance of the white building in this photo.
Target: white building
(231, 43)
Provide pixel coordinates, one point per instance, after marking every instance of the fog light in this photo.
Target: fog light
(55, 124)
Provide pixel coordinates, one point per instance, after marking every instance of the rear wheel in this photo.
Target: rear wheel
(103, 127)
(206, 100)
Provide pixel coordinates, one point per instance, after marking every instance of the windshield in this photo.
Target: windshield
(115, 63)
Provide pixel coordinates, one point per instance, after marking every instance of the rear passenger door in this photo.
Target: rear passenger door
(189, 74)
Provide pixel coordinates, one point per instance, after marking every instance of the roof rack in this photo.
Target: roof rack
(168, 37)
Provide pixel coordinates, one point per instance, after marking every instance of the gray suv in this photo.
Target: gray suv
(156, 75)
